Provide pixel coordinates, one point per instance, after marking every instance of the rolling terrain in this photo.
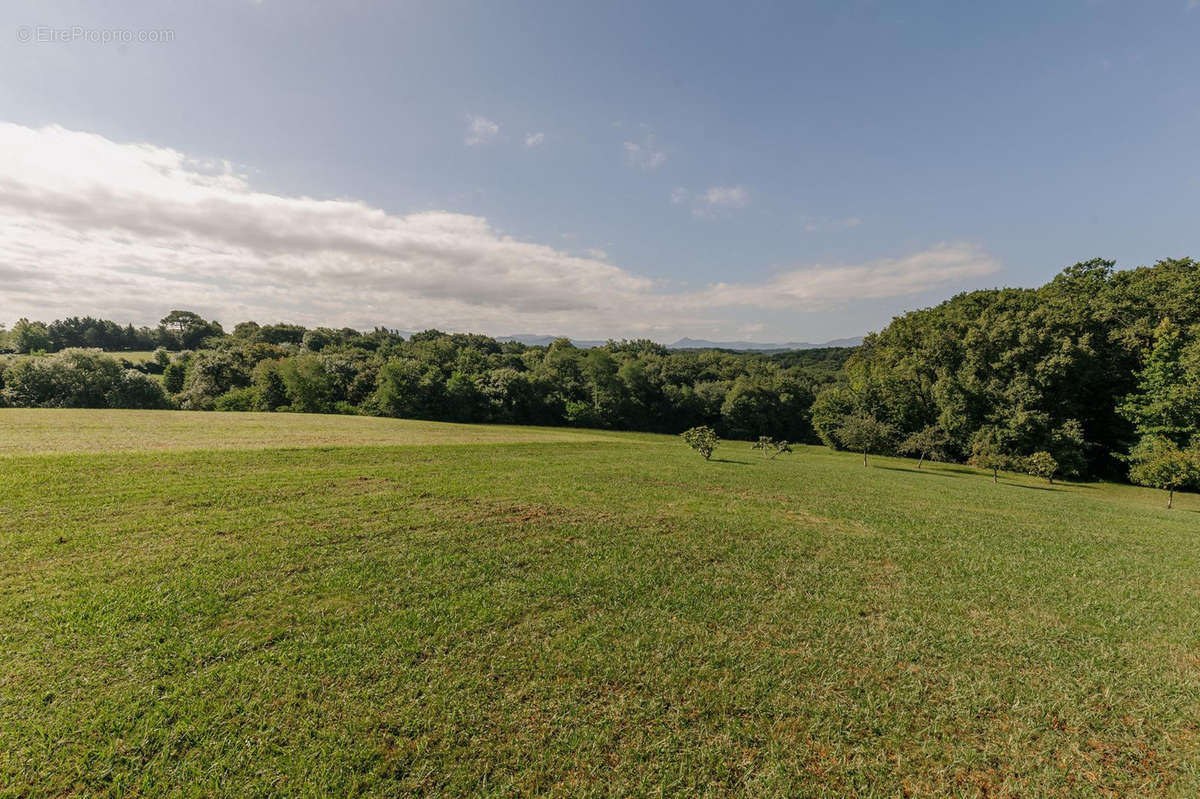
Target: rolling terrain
(201, 603)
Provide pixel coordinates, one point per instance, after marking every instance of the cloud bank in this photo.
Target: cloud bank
(88, 225)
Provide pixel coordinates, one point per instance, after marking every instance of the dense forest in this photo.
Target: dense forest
(1083, 368)
(628, 385)
(1079, 373)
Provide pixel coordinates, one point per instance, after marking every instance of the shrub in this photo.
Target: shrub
(238, 399)
(173, 377)
(703, 439)
(770, 447)
(1042, 464)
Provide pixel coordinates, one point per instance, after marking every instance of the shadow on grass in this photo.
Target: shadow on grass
(914, 470)
(727, 460)
(1035, 488)
(949, 467)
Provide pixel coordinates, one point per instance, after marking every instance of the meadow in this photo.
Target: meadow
(251, 604)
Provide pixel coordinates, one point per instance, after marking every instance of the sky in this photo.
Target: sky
(755, 171)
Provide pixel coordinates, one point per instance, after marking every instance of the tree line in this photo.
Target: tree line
(1096, 373)
(630, 385)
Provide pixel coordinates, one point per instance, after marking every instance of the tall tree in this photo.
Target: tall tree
(1167, 400)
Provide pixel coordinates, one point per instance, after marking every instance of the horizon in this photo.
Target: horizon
(818, 341)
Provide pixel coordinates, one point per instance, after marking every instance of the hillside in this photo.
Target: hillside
(440, 608)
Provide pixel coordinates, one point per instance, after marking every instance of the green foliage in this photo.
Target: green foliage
(188, 329)
(830, 407)
(406, 389)
(771, 448)
(174, 375)
(1049, 367)
(930, 442)
(27, 337)
(79, 379)
(319, 338)
(1167, 400)
(1043, 465)
(239, 399)
(270, 389)
(703, 439)
(634, 385)
(307, 385)
(990, 451)
(862, 432)
(210, 374)
(1158, 462)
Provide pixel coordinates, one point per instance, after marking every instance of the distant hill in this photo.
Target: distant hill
(701, 344)
(532, 340)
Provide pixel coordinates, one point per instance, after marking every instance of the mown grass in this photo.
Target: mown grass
(574, 616)
(37, 430)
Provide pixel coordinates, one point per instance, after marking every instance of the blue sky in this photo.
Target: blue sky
(766, 171)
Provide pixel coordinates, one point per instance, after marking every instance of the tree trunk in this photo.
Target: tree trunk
(1170, 498)
(995, 475)
(864, 457)
(920, 460)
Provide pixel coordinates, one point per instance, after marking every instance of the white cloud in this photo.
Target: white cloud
(534, 139)
(820, 287)
(128, 231)
(645, 154)
(726, 197)
(709, 203)
(597, 253)
(480, 130)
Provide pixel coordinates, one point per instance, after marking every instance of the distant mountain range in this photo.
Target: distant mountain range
(701, 344)
(530, 340)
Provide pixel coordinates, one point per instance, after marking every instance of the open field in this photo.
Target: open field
(37, 430)
(136, 356)
(252, 604)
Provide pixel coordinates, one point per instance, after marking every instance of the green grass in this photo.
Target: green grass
(37, 430)
(136, 356)
(580, 613)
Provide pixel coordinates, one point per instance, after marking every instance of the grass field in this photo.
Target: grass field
(341, 605)
(136, 356)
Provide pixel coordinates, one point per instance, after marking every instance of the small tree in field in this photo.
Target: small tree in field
(862, 432)
(987, 452)
(1042, 464)
(770, 447)
(703, 439)
(1158, 462)
(930, 442)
